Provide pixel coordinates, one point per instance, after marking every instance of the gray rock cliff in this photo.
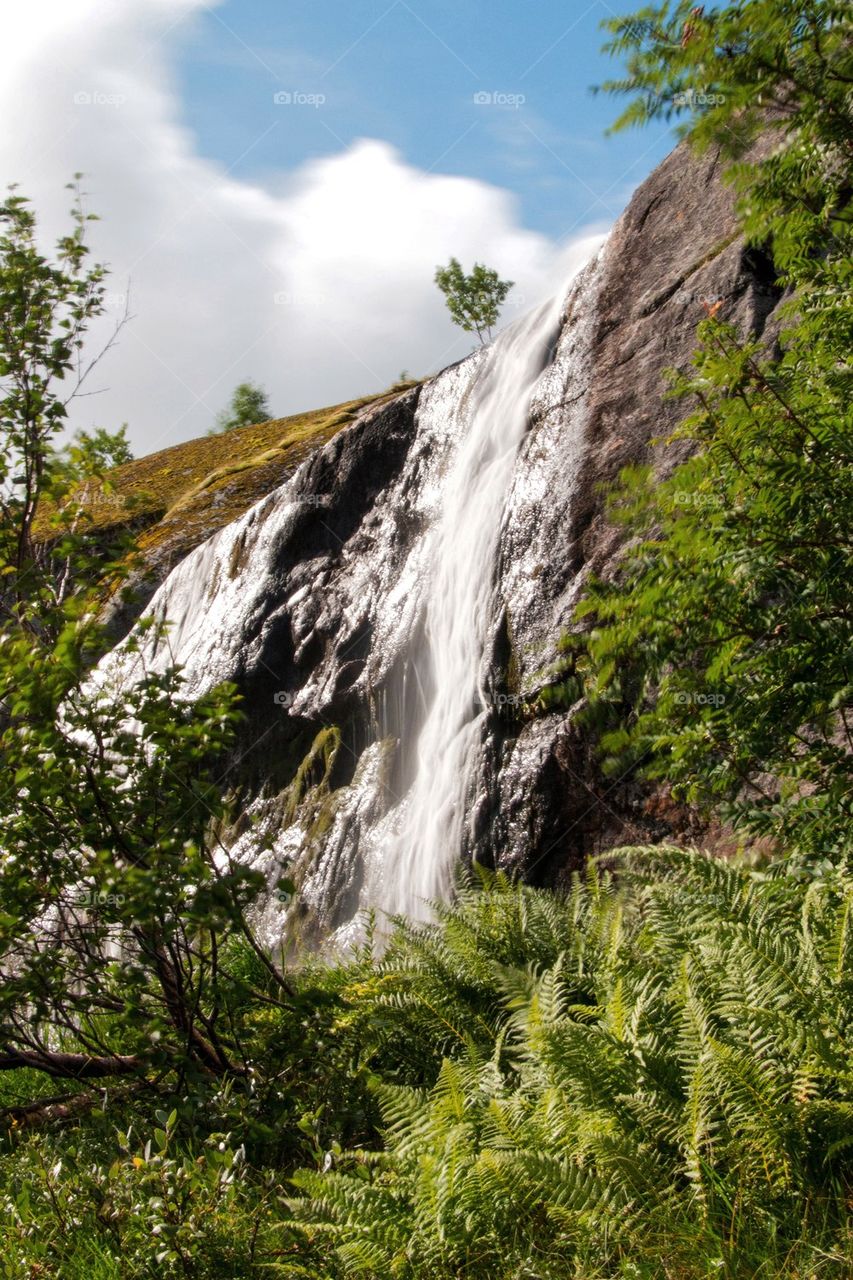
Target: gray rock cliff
(315, 601)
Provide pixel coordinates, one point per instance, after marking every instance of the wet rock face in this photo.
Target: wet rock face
(313, 632)
(674, 252)
(314, 600)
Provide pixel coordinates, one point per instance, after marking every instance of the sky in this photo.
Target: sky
(277, 180)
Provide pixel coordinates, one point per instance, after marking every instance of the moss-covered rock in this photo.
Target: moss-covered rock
(175, 499)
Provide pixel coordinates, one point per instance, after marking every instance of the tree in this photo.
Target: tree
(721, 659)
(248, 405)
(90, 454)
(474, 301)
(122, 915)
(45, 306)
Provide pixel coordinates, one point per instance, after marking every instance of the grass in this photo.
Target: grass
(178, 497)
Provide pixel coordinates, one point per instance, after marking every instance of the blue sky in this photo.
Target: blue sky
(407, 71)
(294, 243)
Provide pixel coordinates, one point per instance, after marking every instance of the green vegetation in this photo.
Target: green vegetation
(118, 916)
(90, 454)
(642, 1082)
(474, 301)
(722, 659)
(249, 404)
(649, 1077)
(131, 975)
(46, 308)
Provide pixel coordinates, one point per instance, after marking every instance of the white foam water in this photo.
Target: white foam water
(455, 535)
(417, 864)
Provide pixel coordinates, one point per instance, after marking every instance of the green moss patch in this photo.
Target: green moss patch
(180, 496)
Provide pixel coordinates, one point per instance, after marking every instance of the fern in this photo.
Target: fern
(660, 1056)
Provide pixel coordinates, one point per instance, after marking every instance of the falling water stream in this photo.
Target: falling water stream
(421, 575)
(417, 864)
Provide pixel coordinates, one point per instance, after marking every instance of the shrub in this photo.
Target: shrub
(646, 1080)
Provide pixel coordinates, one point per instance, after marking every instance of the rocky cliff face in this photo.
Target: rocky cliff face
(323, 601)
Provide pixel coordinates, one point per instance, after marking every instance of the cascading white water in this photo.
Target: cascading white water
(378, 617)
(417, 865)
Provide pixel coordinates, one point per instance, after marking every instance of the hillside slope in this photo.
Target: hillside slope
(178, 497)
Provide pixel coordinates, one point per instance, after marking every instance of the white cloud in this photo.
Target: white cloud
(318, 285)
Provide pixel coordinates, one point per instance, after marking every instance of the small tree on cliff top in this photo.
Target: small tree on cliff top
(474, 301)
(249, 404)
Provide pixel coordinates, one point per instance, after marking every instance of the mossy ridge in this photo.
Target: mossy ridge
(321, 755)
(221, 495)
(185, 493)
(311, 430)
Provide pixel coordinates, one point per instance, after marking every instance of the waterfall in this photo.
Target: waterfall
(363, 599)
(417, 863)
